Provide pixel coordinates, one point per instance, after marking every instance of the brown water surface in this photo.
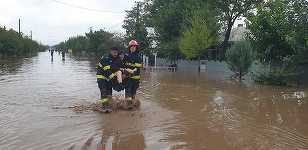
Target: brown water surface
(183, 110)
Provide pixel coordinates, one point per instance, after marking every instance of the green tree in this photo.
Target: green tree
(279, 30)
(298, 12)
(135, 26)
(239, 58)
(98, 41)
(269, 30)
(77, 44)
(278, 33)
(169, 18)
(202, 34)
(230, 10)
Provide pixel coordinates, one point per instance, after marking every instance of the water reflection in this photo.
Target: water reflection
(221, 115)
(10, 66)
(134, 142)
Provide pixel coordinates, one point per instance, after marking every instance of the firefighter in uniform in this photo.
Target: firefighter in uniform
(107, 71)
(133, 64)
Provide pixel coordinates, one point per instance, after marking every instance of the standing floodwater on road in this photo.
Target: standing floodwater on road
(179, 110)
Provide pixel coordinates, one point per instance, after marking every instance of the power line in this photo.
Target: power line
(85, 8)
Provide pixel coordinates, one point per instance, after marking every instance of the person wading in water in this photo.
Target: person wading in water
(133, 64)
(109, 76)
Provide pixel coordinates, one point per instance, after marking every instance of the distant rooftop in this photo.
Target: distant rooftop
(238, 31)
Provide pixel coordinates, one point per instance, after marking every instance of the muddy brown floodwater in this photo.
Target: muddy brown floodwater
(179, 111)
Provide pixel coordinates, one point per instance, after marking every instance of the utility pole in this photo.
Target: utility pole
(19, 27)
(138, 12)
(31, 34)
(155, 59)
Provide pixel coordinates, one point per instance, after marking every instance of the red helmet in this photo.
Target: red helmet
(133, 43)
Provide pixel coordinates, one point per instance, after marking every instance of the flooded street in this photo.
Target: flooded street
(182, 110)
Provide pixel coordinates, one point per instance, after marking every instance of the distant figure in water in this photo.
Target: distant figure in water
(63, 55)
(51, 53)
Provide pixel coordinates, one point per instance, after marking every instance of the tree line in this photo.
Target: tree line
(93, 42)
(277, 38)
(14, 44)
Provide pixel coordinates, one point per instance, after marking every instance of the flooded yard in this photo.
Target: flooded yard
(179, 110)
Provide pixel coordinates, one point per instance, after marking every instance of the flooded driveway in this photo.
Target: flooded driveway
(180, 110)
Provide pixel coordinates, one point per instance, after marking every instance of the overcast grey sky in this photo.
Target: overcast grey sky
(53, 21)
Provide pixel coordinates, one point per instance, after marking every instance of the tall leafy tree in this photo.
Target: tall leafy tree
(167, 18)
(230, 10)
(298, 17)
(277, 30)
(135, 26)
(278, 33)
(200, 34)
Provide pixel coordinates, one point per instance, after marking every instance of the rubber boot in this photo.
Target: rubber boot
(105, 106)
(130, 103)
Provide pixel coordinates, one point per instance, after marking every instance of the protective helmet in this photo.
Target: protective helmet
(133, 43)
